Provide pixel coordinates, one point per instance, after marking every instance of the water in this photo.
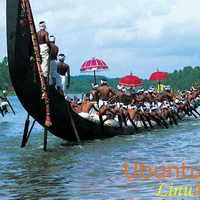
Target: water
(95, 170)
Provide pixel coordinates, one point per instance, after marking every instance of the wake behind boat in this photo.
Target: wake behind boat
(49, 107)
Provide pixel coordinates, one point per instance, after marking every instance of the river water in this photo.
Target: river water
(96, 170)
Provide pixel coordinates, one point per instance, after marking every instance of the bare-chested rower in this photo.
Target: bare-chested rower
(4, 103)
(62, 69)
(86, 107)
(44, 44)
(103, 92)
(121, 96)
(111, 113)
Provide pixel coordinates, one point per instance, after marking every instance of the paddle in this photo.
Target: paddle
(149, 121)
(1, 112)
(132, 122)
(155, 119)
(120, 123)
(25, 131)
(177, 115)
(162, 120)
(72, 122)
(172, 116)
(196, 111)
(145, 125)
(124, 119)
(101, 122)
(11, 106)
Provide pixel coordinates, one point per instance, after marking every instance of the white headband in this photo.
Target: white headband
(119, 87)
(103, 82)
(52, 38)
(62, 57)
(42, 25)
(95, 86)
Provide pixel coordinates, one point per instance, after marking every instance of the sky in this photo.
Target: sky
(128, 35)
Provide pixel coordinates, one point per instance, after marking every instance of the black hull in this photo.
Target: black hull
(20, 48)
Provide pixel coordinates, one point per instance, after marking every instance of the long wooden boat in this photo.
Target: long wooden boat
(20, 50)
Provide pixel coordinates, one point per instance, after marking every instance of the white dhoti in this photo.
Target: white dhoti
(111, 122)
(53, 68)
(92, 110)
(138, 123)
(5, 107)
(45, 57)
(101, 103)
(96, 118)
(86, 116)
(147, 104)
(61, 81)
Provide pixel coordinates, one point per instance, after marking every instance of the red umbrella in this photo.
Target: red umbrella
(130, 81)
(157, 76)
(93, 65)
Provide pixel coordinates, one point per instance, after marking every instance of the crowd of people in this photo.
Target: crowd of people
(138, 108)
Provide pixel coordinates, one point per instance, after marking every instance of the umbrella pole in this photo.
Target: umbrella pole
(94, 78)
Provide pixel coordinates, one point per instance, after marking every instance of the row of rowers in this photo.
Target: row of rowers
(115, 107)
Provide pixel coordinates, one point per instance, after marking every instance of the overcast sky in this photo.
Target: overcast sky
(128, 35)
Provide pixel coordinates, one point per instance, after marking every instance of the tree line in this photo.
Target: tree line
(180, 80)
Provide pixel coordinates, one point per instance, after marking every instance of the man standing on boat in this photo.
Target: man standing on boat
(44, 44)
(4, 104)
(54, 54)
(61, 70)
(104, 92)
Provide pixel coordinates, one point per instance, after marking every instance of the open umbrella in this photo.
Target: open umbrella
(157, 76)
(130, 81)
(93, 65)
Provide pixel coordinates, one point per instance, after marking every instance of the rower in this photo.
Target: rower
(121, 96)
(4, 104)
(86, 107)
(111, 113)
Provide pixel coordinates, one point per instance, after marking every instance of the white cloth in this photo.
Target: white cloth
(61, 81)
(96, 118)
(45, 56)
(101, 102)
(111, 122)
(139, 123)
(3, 104)
(85, 115)
(53, 68)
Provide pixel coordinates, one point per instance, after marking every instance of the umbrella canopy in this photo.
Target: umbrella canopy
(156, 76)
(130, 81)
(93, 65)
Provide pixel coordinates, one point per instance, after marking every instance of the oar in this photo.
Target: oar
(124, 119)
(132, 122)
(177, 115)
(196, 111)
(149, 121)
(101, 122)
(120, 123)
(162, 120)
(11, 107)
(155, 119)
(72, 122)
(174, 119)
(25, 131)
(1, 112)
(142, 120)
